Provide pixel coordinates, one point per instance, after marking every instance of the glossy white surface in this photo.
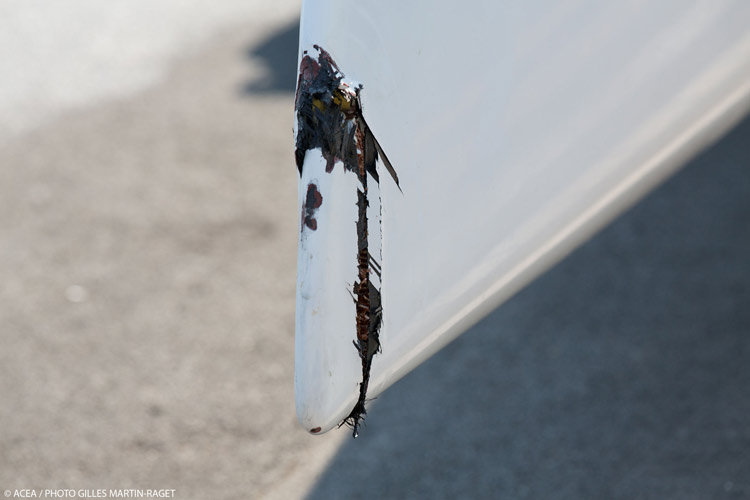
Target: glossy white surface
(517, 130)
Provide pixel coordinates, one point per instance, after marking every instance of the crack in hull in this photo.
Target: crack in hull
(329, 118)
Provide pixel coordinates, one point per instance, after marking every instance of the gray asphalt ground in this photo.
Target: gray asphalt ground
(147, 302)
(147, 273)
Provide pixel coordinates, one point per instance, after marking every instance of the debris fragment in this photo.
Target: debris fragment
(329, 118)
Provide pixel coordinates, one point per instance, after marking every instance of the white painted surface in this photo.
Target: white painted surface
(324, 301)
(517, 130)
(55, 56)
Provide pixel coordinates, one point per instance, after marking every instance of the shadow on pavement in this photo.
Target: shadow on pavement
(621, 373)
(278, 54)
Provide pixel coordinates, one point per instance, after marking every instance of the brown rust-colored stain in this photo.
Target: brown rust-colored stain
(315, 430)
(313, 201)
(329, 118)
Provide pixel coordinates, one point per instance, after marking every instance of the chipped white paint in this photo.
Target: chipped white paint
(517, 130)
(326, 270)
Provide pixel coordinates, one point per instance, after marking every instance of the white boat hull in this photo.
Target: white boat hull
(517, 129)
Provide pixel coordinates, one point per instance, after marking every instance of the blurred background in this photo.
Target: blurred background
(147, 273)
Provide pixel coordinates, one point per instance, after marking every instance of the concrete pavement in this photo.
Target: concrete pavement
(147, 268)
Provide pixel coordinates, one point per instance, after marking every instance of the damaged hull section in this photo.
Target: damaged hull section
(325, 317)
(339, 296)
(519, 129)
